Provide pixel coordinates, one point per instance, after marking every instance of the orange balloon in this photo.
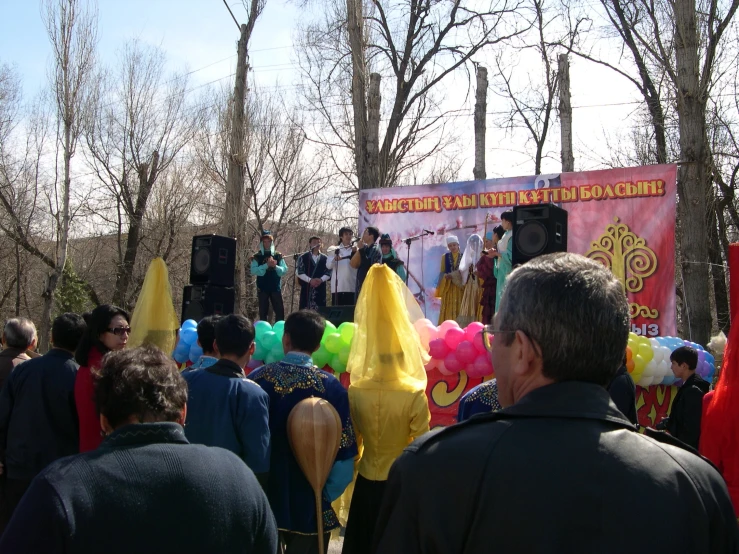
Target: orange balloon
(628, 354)
(630, 365)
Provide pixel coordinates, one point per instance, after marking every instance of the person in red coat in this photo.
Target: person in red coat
(107, 329)
(719, 439)
(485, 271)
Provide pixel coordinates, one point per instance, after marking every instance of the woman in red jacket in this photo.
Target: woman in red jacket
(107, 329)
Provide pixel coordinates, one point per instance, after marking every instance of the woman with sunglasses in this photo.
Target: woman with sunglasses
(107, 330)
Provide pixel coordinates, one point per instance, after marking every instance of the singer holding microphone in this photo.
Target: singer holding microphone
(313, 273)
(344, 276)
(368, 253)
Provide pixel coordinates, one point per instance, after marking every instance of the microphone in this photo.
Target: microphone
(355, 240)
(428, 232)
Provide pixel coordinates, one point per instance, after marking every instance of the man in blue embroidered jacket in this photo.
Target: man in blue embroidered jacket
(481, 399)
(288, 382)
(224, 407)
(268, 266)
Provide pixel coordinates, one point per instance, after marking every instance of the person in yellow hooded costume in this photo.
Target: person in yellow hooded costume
(387, 395)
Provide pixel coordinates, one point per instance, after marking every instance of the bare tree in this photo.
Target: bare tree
(139, 122)
(72, 29)
(415, 46)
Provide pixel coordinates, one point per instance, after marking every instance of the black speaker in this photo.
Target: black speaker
(199, 301)
(538, 230)
(337, 314)
(213, 260)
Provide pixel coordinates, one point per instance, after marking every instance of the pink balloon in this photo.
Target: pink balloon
(452, 363)
(442, 368)
(422, 323)
(433, 331)
(432, 365)
(472, 329)
(478, 343)
(438, 349)
(466, 352)
(480, 367)
(445, 326)
(453, 337)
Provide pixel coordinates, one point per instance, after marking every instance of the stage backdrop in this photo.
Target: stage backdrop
(623, 218)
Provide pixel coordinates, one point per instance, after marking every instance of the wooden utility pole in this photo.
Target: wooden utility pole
(232, 216)
(481, 107)
(565, 113)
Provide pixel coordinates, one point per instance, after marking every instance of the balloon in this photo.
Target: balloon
(344, 355)
(654, 342)
(188, 336)
(337, 365)
(630, 366)
(452, 363)
(453, 337)
(478, 343)
(433, 332)
(424, 334)
(190, 324)
(651, 369)
(646, 351)
(254, 363)
(432, 365)
(445, 326)
(645, 381)
(472, 329)
(438, 349)
(279, 330)
(442, 368)
(271, 358)
(466, 352)
(181, 353)
(629, 354)
(260, 352)
(329, 330)
(261, 327)
(480, 367)
(333, 343)
(640, 363)
(321, 357)
(346, 330)
(269, 339)
(277, 351)
(420, 325)
(195, 353)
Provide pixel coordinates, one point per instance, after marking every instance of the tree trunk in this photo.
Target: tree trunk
(373, 133)
(355, 26)
(718, 273)
(17, 280)
(692, 185)
(481, 107)
(565, 113)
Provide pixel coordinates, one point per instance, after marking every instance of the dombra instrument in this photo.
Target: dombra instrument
(314, 434)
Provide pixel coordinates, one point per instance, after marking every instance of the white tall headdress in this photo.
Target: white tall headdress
(451, 239)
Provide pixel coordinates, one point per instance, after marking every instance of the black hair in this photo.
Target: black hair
(207, 333)
(67, 331)
(305, 329)
(98, 322)
(342, 231)
(507, 216)
(685, 355)
(313, 238)
(374, 231)
(234, 335)
(141, 382)
(499, 231)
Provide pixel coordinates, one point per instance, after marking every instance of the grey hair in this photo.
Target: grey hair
(575, 310)
(19, 332)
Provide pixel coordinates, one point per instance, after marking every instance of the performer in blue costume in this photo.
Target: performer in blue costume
(288, 382)
(481, 399)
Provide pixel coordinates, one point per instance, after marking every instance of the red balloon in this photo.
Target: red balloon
(452, 363)
(438, 349)
(466, 352)
(453, 337)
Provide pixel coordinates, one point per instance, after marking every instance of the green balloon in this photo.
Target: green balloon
(259, 352)
(277, 351)
(271, 359)
(279, 327)
(334, 343)
(337, 365)
(344, 355)
(346, 330)
(261, 327)
(321, 357)
(269, 339)
(329, 330)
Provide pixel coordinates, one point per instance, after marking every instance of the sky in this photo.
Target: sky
(201, 36)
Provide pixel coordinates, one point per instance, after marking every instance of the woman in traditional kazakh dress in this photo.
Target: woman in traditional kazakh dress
(470, 309)
(387, 395)
(450, 287)
(486, 272)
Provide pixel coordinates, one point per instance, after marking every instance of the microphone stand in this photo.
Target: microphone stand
(408, 242)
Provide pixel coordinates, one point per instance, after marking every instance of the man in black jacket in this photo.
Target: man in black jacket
(38, 417)
(684, 422)
(559, 468)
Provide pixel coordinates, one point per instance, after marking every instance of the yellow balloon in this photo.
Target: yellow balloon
(645, 350)
(633, 336)
(639, 363)
(636, 374)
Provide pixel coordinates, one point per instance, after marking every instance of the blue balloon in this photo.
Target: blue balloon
(181, 353)
(195, 353)
(188, 336)
(710, 359)
(190, 324)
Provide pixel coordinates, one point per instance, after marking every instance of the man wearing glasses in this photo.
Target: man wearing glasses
(559, 469)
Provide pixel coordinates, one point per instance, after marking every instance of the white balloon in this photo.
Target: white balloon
(651, 369)
(654, 342)
(645, 381)
(658, 356)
